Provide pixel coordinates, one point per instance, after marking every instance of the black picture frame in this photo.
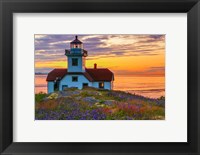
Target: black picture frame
(8, 7)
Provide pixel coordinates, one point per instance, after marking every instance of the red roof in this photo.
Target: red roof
(56, 73)
(99, 74)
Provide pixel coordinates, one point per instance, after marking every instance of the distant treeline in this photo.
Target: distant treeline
(39, 73)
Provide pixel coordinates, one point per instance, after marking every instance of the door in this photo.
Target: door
(85, 85)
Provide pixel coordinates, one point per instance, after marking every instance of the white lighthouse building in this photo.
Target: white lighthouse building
(77, 75)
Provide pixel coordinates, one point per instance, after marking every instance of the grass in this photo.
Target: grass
(100, 105)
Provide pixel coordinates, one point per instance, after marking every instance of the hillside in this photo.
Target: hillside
(96, 104)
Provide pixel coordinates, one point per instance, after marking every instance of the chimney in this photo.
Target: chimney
(95, 66)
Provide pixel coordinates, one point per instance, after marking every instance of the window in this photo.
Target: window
(74, 78)
(101, 85)
(74, 61)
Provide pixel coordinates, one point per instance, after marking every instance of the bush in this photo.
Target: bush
(162, 98)
(40, 96)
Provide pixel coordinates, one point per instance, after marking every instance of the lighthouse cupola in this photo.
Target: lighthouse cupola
(76, 44)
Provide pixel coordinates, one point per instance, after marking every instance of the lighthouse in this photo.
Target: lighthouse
(76, 56)
(76, 74)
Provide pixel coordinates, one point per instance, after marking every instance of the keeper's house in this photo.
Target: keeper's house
(77, 75)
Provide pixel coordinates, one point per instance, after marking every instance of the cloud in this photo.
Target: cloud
(52, 47)
(43, 70)
(97, 45)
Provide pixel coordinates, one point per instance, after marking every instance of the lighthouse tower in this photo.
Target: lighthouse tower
(76, 56)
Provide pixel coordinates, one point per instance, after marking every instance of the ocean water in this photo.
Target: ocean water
(153, 87)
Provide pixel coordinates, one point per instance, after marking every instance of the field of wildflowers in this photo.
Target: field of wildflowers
(96, 104)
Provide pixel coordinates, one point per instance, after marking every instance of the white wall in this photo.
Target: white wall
(80, 67)
(107, 85)
(50, 87)
(67, 80)
(74, 68)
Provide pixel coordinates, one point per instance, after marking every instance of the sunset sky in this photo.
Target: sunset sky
(130, 55)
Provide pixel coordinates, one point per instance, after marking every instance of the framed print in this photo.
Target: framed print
(121, 96)
(99, 77)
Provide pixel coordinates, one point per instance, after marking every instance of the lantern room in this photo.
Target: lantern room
(76, 44)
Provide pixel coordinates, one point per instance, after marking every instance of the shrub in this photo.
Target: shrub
(162, 98)
(40, 96)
